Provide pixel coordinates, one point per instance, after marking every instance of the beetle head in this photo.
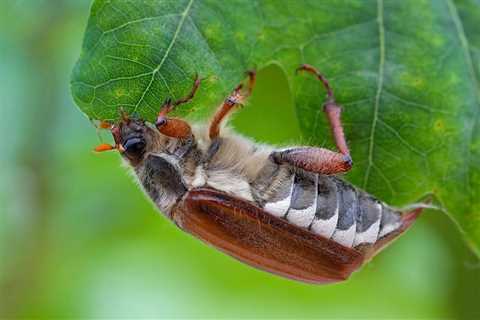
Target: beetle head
(134, 138)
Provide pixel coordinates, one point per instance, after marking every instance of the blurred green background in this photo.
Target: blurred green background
(78, 238)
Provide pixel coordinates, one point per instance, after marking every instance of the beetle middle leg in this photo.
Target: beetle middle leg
(237, 97)
(321, 160)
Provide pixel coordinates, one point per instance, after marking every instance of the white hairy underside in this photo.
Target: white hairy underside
(237, 162)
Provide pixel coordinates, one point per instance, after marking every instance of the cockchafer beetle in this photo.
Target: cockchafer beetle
(281, 210)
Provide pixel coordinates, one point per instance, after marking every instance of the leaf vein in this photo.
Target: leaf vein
(381, 66)
(129, 60)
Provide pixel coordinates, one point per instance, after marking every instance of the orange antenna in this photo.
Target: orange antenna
(108, 147)
(116, 136)
(104, 147)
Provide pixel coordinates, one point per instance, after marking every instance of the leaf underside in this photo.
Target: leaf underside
(407, 73)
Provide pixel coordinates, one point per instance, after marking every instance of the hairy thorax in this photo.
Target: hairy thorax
(231, 163)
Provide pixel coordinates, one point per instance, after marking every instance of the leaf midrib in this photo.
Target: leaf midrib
(381, 66)
(183, 17)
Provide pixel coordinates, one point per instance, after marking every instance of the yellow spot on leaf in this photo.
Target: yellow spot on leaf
(212, 31)
(212, 79)
(120, 92)
(453, 78)
(413, 80)
(437, 40)
(261, 36)
(439, 126)
(240, 36)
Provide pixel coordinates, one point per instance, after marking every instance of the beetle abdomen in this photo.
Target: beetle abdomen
(332, 208)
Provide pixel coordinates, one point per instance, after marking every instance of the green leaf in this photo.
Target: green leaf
(407, 73)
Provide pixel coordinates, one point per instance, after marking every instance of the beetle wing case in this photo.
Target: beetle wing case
(253, 236)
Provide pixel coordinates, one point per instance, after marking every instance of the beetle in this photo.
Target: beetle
(285, 211)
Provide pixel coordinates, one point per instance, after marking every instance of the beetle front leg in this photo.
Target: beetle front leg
(174, 127)
(234, 99)
(321, 160)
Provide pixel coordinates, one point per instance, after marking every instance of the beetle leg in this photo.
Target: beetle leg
(236, 98)
(332, 110)
(174, 127)
(321, 160)
(191, 95)
(317, 160)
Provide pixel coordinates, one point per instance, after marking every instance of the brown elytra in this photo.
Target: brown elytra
(251, 235)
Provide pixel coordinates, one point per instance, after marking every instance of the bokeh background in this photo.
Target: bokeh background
(79, 239)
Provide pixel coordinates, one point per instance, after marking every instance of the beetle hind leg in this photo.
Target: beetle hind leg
(320, 160)
(332, 111)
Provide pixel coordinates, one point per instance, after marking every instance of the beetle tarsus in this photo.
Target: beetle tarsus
(236, 98)
(252, 78)
(191, 95)
(313, 70)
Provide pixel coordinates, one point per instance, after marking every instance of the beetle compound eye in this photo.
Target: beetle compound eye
(134, 147)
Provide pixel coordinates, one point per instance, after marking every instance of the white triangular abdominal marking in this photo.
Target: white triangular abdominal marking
(390, 222)
(365, 220)
(304, 200)
(368, 236)
(389, 229)
(301, 218)
(344, 237)
(326, 215)
(280, 207)
(325, 228)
